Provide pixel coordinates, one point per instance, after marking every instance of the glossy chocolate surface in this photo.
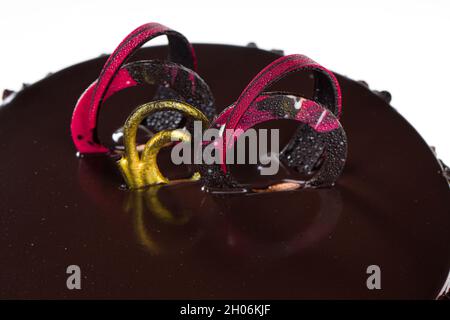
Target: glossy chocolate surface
(390, 207)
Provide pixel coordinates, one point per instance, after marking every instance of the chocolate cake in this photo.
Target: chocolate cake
(390, 206)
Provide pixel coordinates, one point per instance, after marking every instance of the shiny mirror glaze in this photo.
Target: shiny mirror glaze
(390, 207)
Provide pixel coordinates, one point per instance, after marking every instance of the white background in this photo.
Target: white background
(400, 46)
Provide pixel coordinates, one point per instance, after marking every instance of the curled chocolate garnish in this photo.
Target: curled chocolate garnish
(319, 146)
(141, 170)
(185, 83)
(176, 82)
(176, 77)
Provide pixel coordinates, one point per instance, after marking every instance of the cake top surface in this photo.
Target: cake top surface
(390, 207)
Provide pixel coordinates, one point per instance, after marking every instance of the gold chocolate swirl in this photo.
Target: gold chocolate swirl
(141, 170)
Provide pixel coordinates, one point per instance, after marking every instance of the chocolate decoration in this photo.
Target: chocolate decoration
(85, 115)
(322, 138)
(390, 206)
(141, 169)
(321, 147)
(173, 82)
(7, 93)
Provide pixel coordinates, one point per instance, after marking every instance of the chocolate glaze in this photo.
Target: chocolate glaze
(390, 207)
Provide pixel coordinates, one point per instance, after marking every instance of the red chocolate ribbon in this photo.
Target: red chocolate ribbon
(112, 78)
(275, 71)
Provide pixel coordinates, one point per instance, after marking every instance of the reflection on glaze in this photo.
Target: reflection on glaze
(142, 202)
(322, 225)
(135, 204)
(211, 216)
(147, 203)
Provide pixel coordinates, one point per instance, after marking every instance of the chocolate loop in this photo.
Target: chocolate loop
(84, 119)
(326, 142)
(279, 69)
(185, 84)
(142, 170)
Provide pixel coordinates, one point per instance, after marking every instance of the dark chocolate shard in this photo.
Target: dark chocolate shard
(7, 93)
(278, 52)
(364, 83)
(445, 171)
(385, 95)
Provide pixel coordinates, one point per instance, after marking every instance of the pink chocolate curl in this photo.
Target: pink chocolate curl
(112, 79)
